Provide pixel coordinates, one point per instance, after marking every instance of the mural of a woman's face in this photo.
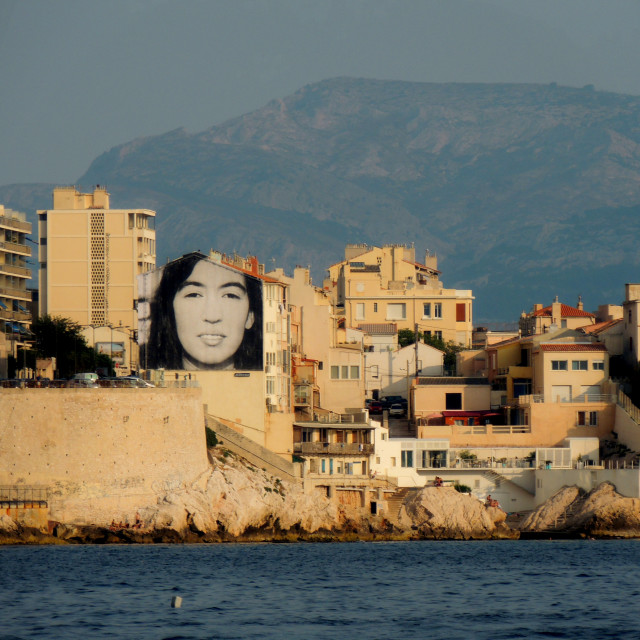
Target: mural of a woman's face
(212, 312)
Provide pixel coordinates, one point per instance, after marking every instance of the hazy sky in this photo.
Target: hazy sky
(78, 77)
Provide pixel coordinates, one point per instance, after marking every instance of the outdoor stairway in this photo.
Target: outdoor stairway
(561, 521)
(499, 479)
(395, 501)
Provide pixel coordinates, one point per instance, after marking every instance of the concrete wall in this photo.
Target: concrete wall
(548, 482)
(103, 453)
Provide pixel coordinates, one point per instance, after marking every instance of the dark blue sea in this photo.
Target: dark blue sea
(453, 590)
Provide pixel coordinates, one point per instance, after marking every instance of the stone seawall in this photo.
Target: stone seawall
(102, 453)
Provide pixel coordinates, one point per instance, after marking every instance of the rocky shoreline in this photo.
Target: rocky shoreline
(235, 502)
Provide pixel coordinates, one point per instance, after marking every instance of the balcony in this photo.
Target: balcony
(491, 429)
(14, 223)
(333, 448)
(22, 294)
(15, 247)
(586, 398)
(14, 316)
(9, 269)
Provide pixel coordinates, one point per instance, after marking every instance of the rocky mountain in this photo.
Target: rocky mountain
(523, 191)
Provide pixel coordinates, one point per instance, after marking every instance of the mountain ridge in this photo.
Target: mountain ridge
(524, 191)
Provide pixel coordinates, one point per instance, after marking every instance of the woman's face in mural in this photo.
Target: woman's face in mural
(212, 313)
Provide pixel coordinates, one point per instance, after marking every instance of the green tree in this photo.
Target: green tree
(62, 339)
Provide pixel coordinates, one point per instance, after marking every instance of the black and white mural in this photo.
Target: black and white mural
(197, 314)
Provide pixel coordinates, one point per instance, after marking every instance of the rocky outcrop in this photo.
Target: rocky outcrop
(602, 512)
(443, 512)
(234, 501)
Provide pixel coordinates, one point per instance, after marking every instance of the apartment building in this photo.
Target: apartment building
(386, 284)
(15, 318)
(90, 256)
(556, 316)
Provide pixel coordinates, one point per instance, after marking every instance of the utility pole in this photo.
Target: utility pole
(416, 346)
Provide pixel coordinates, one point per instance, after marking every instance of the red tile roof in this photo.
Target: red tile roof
(599, 327)
(573, 347)
(565, 312)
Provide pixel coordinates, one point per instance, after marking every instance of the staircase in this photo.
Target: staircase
(253, 452)
(566, 516)
(395, 502)
(499, 479)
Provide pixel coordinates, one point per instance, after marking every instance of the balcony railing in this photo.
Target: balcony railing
(580, 399)
(491, 429)
(333, 448)
(14, 315)
(16, 248)
(15, 271)
(23, 294)
(340, 418)
(12, 223)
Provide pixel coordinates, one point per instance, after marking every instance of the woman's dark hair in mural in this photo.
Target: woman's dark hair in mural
(169, 349)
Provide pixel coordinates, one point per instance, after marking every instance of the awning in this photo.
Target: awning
(3, 306)
(468, 414)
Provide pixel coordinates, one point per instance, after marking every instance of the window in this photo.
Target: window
(598, 365)
(406, 458)
(559, 365)
(587, 418)
(579, 365)
(396, 311)
(360, 311)
(453, 401)
(426, 310)
(271, 385)
(375, 307)
(132, 218)
(271, 327)
(461, 312)
(437, 335)
(345, 372)
(323, 465)
(437, 310)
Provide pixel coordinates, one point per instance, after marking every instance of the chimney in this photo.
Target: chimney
(580, 305)
(537, 306)
(556, 313)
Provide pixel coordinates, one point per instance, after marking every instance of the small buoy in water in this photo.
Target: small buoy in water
(176, 602)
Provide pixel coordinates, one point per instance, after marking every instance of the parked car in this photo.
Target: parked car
(396, 409)
(387, 401)
(375, 407)
(136, 381)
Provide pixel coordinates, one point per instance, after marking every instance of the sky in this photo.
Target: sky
(78, 77)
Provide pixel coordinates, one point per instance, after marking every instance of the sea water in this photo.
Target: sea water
(434, 589)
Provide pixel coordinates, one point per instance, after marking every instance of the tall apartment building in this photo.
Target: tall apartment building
(90, 256)
(14, 274)
(386, 284)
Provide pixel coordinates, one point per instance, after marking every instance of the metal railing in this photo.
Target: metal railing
(24, 493)
(583, 398)
(624, 401)
(339, 418)
(333, 448)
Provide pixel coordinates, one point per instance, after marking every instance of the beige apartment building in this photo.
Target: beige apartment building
(15, 318)
(90, 256)
(386, 284)
(556, 316)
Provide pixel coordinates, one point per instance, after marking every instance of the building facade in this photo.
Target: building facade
(15, 318)
(385, 284)
(90, 256)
